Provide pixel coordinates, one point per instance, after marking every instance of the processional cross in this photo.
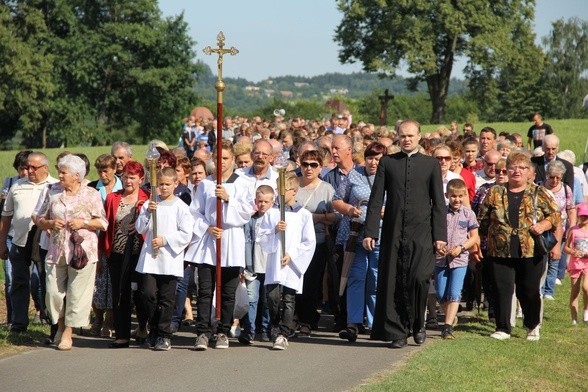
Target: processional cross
(219, 87)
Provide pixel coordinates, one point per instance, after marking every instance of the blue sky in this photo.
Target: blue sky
(277, 38)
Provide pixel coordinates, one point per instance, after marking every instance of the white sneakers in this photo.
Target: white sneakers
(533, 334)
(499, 335)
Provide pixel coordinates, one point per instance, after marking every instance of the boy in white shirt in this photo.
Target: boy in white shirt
(284, 275)
(161, 271)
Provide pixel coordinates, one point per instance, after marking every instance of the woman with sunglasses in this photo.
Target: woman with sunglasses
(315, 195)
(351, 201)
(443, 155)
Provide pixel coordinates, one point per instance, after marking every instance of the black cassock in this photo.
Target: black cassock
(415, 217)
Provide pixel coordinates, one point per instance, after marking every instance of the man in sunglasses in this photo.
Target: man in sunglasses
(488, 172)
(18, 207)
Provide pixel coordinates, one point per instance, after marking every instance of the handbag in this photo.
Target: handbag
(546, 241)
(79, 257)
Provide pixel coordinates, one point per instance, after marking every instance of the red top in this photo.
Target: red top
(111, 207)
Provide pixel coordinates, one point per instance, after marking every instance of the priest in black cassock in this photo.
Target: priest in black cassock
(413, 229)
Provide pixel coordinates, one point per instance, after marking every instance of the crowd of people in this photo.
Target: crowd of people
(383, 228)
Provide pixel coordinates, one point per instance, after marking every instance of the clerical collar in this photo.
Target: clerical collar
(415, 151)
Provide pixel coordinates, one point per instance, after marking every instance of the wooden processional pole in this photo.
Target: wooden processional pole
(219, 87)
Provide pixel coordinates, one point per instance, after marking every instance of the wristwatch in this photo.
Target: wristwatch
(463, 248)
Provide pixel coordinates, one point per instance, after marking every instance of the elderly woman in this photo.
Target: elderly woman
(122, 246)
(486, 270)
(107, 183)
(507, 218)
(315, 195)
(351, 201)
(564, 198)
(71, 208)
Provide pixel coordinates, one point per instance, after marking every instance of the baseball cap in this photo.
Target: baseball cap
(582, 209)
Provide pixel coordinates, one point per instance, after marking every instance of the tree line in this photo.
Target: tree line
(79, 72)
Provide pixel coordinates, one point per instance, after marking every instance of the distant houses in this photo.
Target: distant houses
(257, 90)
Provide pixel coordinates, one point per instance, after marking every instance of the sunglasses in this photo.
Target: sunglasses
(501, 171)
(306, 165)
(441, 158)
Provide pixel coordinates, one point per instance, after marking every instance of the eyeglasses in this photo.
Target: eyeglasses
(442, 158)
(501, 171)
(34, 168)
(306, 165)
(515, 168)
(490, 163)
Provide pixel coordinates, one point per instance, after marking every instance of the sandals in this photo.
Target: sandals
(349, 333)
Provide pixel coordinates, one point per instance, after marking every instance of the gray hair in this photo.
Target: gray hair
(556, 167)
(118, 145)
(73, 164)
(567, 155)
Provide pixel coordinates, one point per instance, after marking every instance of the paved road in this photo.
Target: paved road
(320, 363)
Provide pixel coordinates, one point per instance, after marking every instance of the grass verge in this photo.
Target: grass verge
(473, 361)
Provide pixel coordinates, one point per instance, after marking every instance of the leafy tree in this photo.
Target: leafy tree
(26, 84)
(427, 36)
(566, 65)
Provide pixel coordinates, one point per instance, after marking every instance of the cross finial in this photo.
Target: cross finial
(221, 52)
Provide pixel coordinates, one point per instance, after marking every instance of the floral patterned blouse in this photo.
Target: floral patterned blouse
(495, 223)
(86, 204)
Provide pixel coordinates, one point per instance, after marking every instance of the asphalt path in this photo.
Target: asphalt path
(322, 362)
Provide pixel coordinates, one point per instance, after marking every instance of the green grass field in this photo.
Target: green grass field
(573, 135)
(475, 362)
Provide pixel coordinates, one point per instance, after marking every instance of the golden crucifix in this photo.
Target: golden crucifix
(220, 87)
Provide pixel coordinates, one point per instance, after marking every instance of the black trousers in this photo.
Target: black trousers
(307, 302)
(121, 277)
(206, 287)
(158, 294)
(281, 303)
(526, 275)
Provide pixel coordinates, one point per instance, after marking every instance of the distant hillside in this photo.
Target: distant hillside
(244, 96)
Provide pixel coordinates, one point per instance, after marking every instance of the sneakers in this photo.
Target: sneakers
(533, 334)
(499, 335)
(558, 282)
(235, 331)
(201, 343)
(162, 344)
(281, 343)
(245, 339)
(222, 341)
(265, 336)
(304, 331)
(548, 297)
(447, 332)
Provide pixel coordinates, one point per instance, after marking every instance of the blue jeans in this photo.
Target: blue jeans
(256, 292)
(549, 285)
(181, 294)
(449, 283)
(8, 282)
(361, 286)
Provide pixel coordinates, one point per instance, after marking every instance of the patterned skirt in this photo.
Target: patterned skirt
(103, 288)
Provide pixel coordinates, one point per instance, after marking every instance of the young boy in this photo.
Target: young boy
(161, 271)
(256, 262)
(236, 212)
(284, 275)
(452, 261)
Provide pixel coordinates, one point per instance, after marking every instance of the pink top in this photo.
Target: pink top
(580, 242)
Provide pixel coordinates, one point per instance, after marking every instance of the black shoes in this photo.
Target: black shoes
(399, 343)
(119, 345)
(420, 336)
(348, 333)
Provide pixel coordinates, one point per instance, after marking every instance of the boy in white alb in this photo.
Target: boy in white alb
(236, 212)
(284, 275)
(161, 271)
